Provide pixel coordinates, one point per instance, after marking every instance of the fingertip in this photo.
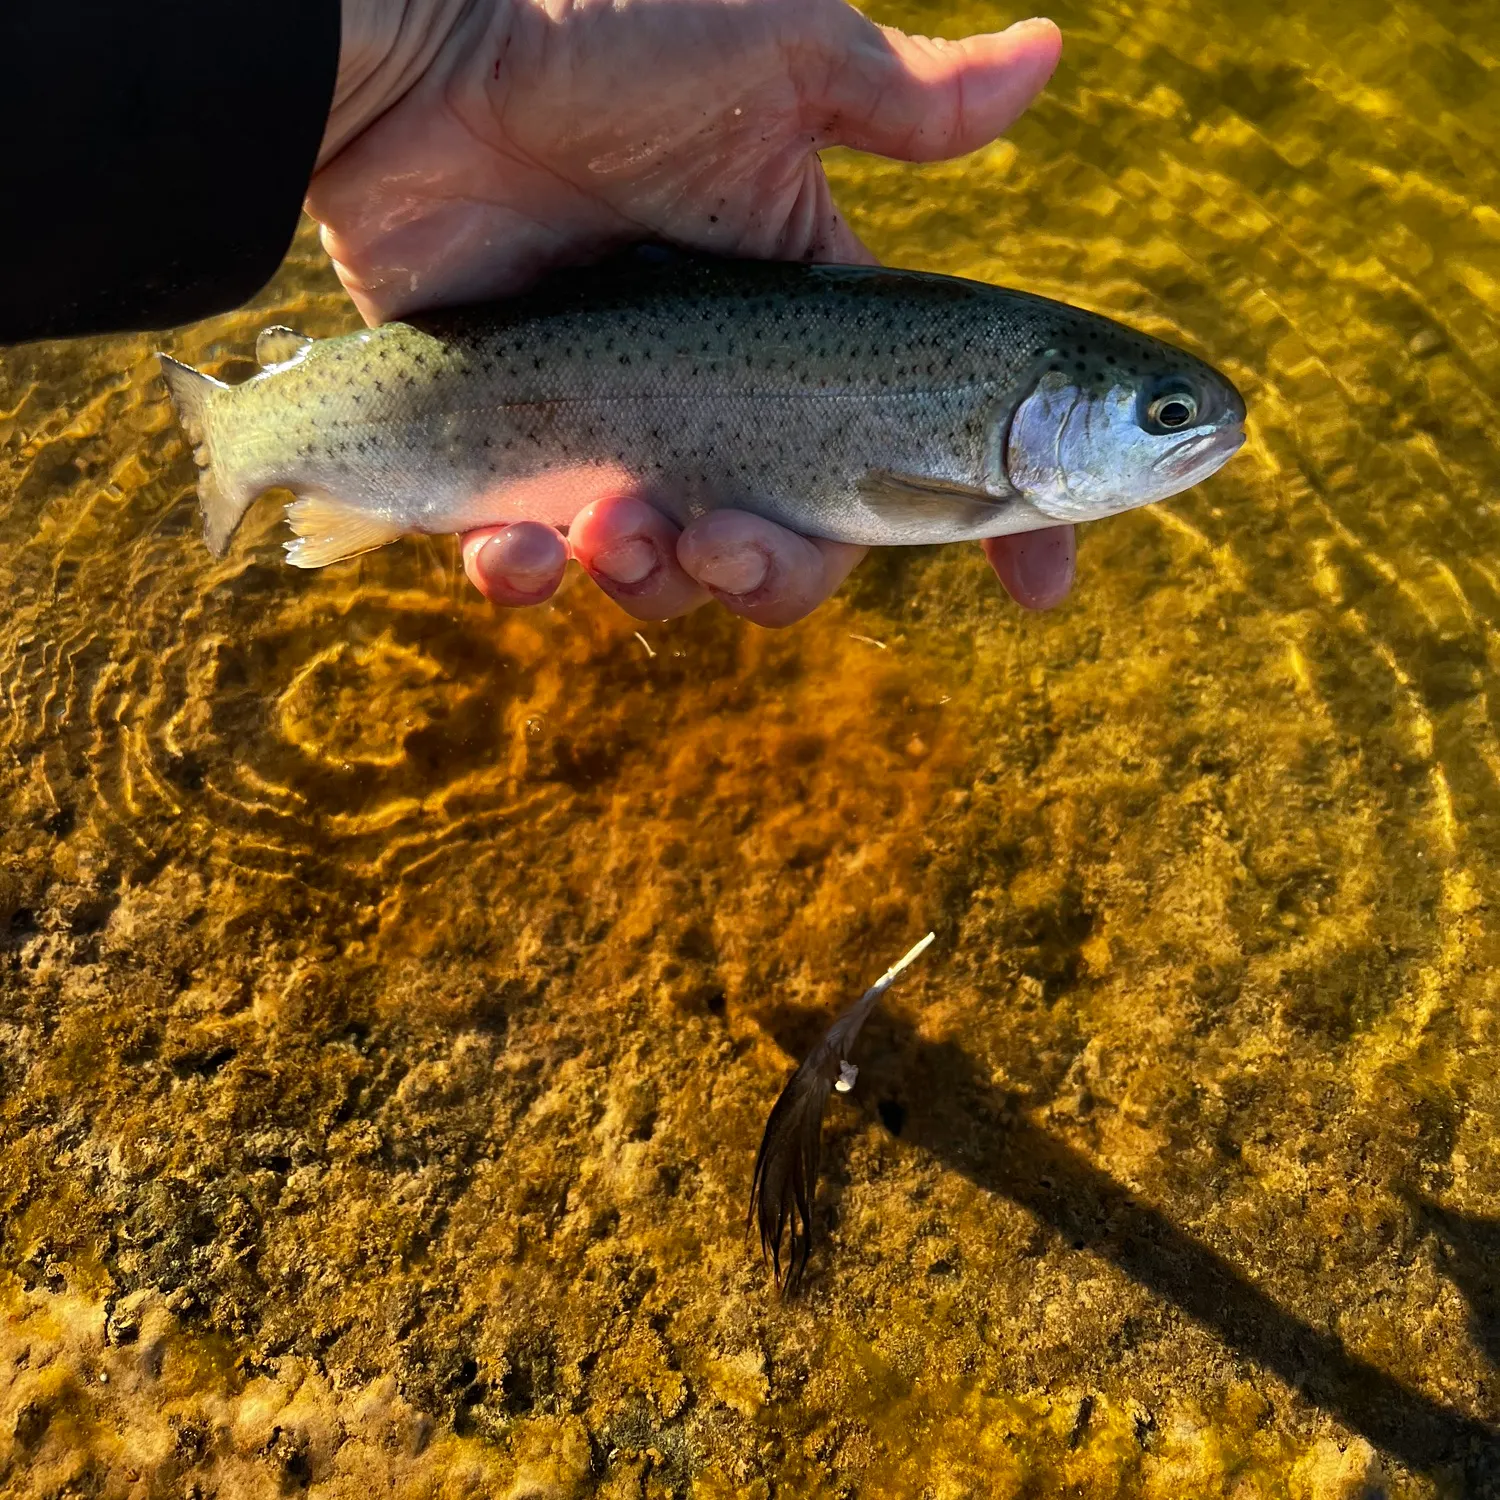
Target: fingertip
(922, 99)
(630, 550)
(760, 571)
(1002, 72)
(1037, 568)
(515, 565)
(1039, 32)
(1028, 51)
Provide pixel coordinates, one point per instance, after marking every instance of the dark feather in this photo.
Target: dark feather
(786, 1166)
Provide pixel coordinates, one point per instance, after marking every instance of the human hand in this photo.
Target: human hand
(472, 147)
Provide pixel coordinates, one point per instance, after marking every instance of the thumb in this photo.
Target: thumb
(922, 99)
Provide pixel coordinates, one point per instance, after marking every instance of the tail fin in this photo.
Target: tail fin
(222, 505)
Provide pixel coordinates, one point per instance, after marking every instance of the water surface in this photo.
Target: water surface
(392, 990)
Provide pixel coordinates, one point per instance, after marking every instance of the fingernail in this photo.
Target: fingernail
(523, 558)
(629, 561)
(741, 571)
(1035, 24)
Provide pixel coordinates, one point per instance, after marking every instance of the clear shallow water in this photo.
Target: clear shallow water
(393, 990)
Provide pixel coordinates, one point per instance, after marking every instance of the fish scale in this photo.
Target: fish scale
(852, 403)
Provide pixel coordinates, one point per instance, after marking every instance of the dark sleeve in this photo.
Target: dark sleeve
(155, 155)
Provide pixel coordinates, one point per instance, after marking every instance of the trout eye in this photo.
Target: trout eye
(1172, 411)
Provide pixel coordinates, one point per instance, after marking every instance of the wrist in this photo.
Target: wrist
(385, 47)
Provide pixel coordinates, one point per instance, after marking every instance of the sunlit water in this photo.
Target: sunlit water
(393, 989)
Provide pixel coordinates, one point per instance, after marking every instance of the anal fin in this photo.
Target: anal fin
(914, 498)
(328, 531)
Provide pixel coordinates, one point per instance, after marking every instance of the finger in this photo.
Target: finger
(630, 551)
(921, 99)
(762, 571)
(518, 564)
(1036, 567)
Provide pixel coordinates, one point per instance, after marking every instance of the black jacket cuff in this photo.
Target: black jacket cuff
(156, 155)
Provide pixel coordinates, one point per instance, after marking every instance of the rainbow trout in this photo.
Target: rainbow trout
(852, 403)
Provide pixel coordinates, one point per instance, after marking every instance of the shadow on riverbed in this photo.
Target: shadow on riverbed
(979, 1130)
(1471, 1256)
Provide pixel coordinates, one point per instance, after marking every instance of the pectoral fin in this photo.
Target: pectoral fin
(914, 499)
(328, 531)
(280, 346)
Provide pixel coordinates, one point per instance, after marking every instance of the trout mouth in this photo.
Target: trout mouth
(1200, 454)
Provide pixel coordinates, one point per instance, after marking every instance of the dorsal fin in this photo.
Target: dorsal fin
(915, 497)
(280, 346)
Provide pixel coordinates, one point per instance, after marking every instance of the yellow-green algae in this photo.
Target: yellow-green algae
(393, 990)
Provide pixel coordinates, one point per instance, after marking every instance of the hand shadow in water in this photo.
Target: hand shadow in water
(1471, 1256)
(978, 1130)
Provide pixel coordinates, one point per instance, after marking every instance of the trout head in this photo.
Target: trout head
(1116, 419)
